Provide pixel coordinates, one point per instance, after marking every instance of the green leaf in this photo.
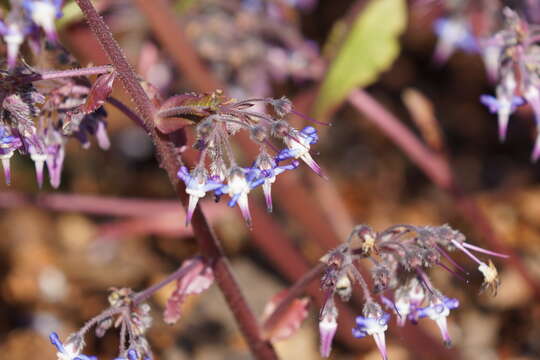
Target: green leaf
(370, 48)
(71, 14)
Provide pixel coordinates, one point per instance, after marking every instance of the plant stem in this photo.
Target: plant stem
(52, 75)
(208, 244)
(294, 292)
(433, 164)
(127, 111)
(298, 203)
(437, 168)
(145, 294)
(91, 204)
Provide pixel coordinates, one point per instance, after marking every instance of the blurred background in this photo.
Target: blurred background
(115, 222)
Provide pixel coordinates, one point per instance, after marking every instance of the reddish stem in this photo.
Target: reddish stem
(208, 243)
(60, 74)
(127, 111)
(91, 204)
(293, 292)
(145, 294)
(433, 164)
(437, 168)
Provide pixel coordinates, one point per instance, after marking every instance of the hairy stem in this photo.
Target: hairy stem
(52, 75)
(208, 244)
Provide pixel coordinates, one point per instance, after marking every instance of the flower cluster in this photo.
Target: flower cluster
(401, 256)
(511, 56)
(217, 170)
(464, 26)
(133, 320)
(41, 111)
(29, 19)
(518, 47)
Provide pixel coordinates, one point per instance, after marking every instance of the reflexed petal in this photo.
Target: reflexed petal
(7, 168)
(267, 189)
(243, 203)
(191, 208)
(327, 331)
(381, 344)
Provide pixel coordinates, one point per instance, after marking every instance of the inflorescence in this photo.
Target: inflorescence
(217, 169)
(130, 317)
(129, 313)
(37, 117)
(511, 53)
(518, 73)
(29, 20)
(401, 256)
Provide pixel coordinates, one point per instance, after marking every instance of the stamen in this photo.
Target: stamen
(467, 252)
(452, 261)
(453, 272)
(425, 280)
(309, 118)
(482, 250)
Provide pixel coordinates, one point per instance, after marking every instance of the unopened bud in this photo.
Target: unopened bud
(258, 133)
(344, 287)
(280, 128)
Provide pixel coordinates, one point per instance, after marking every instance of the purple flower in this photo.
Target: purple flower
(197, 185)
(327, 326)
(266, 169)
(504, 107)
(131, 355)
(14, 30)
(43, 13)
(238, 187)
(8, 144)
(407, 301)
(54, 142)
(438, 310)
(453, 34)
(373, 323)
(71, 350)
(298, 146)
